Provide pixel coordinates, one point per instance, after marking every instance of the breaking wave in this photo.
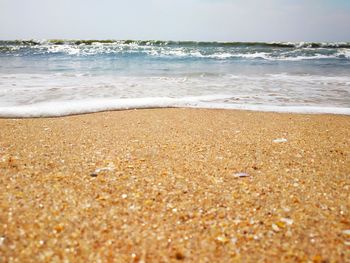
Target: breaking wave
(275, 51)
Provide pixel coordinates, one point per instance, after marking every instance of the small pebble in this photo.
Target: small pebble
(2, 239)
(179, 256)
(275, 228)
(222, 239)
(289, 233)
(124, 196)
(281, 224)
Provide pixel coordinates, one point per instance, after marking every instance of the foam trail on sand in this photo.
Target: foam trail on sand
(64, 108)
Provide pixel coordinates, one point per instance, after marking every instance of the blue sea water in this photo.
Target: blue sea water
(63, 77)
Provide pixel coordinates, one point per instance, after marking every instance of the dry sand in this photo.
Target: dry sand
(161, 185)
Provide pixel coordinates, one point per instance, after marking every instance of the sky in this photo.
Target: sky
(198, 20)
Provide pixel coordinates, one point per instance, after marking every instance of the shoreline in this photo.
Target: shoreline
(176, 184)
(297, 110)
(70, 108)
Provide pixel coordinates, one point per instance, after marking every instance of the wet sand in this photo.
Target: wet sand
(168, 185)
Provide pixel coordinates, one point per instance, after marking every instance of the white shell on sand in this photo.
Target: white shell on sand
(241, 174)
(279, 140)
(288, 221)
(346, 232)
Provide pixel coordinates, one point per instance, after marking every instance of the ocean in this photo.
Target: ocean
(42, 78)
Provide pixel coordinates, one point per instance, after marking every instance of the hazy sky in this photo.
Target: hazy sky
(220, 20)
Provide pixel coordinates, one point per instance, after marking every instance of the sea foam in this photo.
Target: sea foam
(64, 108)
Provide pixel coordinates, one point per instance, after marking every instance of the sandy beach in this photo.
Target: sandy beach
(168, 185)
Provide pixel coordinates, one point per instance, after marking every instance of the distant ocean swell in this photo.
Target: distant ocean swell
(45, 78)
(179, 43)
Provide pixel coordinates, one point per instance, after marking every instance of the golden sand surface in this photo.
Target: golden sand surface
(170, 185)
